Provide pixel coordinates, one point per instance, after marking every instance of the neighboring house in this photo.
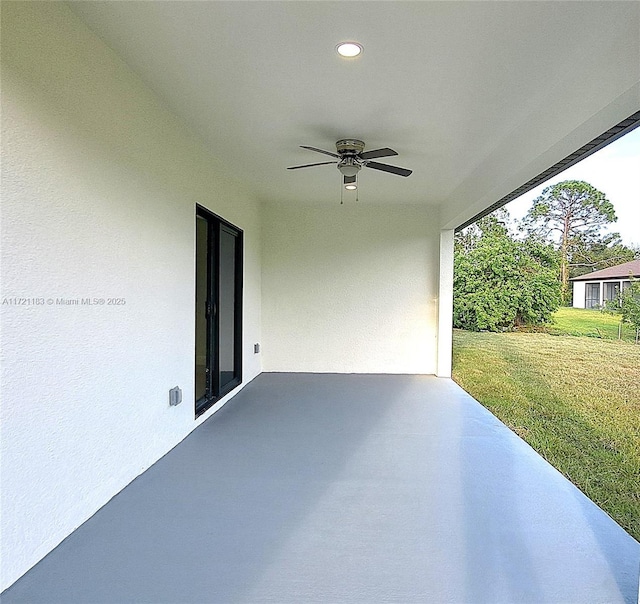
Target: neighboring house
(152, 236)
(594, 289)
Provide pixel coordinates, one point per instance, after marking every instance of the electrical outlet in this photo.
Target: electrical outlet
(175, 396)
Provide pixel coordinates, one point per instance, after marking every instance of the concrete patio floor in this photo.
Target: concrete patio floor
(344, 488)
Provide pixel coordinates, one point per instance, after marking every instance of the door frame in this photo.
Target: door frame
(213, 390)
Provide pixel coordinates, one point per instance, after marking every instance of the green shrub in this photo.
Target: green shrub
(500, 283)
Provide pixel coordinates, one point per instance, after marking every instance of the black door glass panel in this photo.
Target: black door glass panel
(226, 309)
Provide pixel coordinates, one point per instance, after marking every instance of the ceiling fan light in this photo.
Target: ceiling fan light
(349, 170)
(351, 187)
(349, 50)
(348, 166)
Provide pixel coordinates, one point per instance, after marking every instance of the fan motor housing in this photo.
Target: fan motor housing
(349, 146)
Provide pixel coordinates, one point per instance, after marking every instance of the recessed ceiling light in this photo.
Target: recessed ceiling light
(349, 49)
(351, 187)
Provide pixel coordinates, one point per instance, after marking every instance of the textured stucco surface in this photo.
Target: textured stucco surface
(99, 186)
(345, 488)
(349, 289)
(578, 294)
(445, 305)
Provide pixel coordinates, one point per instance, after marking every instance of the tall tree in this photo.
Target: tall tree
(571, 214)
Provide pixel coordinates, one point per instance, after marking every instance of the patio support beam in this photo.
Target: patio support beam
(445, 304)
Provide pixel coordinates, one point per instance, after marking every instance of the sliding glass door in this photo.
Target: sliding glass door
(218, 309)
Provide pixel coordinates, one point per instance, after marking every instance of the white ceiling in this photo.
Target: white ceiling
(459, 89)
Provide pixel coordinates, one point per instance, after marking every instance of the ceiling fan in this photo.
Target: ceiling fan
(351, 157)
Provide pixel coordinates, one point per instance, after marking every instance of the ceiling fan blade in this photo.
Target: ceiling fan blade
(386, 152)
(387, 168)
(349, 180)
(322, 163)
(320, 151)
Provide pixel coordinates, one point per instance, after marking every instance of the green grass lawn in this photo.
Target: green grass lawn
(575, 400)
(591, 323)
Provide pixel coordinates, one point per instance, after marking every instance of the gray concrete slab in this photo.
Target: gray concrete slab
(338, 489)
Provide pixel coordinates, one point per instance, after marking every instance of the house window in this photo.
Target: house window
(218, 309)
(611, 290)
(592, 295)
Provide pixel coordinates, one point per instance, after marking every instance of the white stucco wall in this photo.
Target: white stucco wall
(445, 305)
(99, 186)
(578, 294)
(349, 288)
